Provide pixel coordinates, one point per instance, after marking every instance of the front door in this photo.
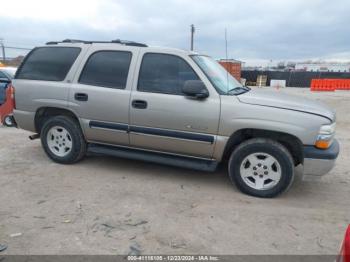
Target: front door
(162, 118)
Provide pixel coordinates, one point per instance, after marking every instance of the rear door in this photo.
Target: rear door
(100, 93)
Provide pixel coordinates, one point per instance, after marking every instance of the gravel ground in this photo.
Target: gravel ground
(106, 205)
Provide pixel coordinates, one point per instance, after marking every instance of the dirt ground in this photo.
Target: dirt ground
(106, 205)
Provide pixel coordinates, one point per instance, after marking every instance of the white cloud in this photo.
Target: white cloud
(49, 10)
(264, 29)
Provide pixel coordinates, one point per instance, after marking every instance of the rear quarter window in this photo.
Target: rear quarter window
(48, 63)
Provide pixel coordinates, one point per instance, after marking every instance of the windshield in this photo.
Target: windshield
(224, 83)
(10, 71)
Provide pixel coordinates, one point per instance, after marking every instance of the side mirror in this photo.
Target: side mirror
(195, 89)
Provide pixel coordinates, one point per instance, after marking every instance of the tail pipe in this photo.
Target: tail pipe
(34, 136)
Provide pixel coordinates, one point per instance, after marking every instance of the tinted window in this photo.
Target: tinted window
(161, 73)
(107, 69)
(48, 63)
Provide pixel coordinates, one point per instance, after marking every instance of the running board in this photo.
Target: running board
(154, 157)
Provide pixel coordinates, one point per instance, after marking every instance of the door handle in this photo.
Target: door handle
(140, 104)
(81, 97)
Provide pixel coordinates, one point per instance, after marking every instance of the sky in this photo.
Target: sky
(258, 31)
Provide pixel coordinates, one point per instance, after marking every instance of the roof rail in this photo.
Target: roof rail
(117, 41)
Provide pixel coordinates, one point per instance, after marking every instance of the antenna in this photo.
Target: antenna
(226, 54)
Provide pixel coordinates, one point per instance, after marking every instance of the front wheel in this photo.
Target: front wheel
(261, 167)
(63, 140)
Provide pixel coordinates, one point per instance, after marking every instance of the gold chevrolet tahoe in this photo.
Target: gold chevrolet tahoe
(172, 107)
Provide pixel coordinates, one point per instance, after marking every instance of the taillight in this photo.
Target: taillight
(12, 92)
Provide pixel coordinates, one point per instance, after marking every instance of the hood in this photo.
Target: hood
(288, 102)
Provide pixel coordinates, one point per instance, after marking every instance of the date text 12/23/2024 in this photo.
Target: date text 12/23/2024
(173, 258)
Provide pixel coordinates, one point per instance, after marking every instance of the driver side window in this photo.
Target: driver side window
(163, 73)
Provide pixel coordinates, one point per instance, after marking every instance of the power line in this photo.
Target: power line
(21, 44)
(19, 48)
(3, 48)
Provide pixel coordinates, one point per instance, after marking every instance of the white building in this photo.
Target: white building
(322, 67)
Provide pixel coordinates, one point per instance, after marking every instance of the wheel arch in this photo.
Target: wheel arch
(44, 112)
(291, 142)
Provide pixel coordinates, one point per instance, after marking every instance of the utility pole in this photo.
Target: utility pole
(226, 52)
(3, 50)
(192, 35)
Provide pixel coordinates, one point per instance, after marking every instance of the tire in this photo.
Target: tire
(8, 121)
(262, 168)
(63, 140)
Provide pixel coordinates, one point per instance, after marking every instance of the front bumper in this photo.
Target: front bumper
(318, 162)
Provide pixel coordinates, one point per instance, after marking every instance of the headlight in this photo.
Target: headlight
(325, 136)
(328, 129)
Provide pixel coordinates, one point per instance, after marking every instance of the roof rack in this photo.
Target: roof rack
(117, 41)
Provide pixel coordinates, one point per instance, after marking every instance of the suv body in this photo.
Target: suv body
(170, 106)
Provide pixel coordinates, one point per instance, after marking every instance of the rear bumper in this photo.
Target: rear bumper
(318, 162)
(25, 119)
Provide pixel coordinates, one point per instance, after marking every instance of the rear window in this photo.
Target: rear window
(48, 63)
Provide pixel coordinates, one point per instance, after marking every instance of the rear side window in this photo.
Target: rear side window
(48, 63)
(162, 73)
(107, 69)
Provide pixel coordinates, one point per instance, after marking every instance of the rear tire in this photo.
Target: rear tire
(262, 168)
(63, 140)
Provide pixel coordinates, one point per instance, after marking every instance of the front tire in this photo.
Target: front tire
(261, 167)
(63, 140)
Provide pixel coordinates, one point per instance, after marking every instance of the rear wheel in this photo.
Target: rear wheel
(261, 167)
(63, 140)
